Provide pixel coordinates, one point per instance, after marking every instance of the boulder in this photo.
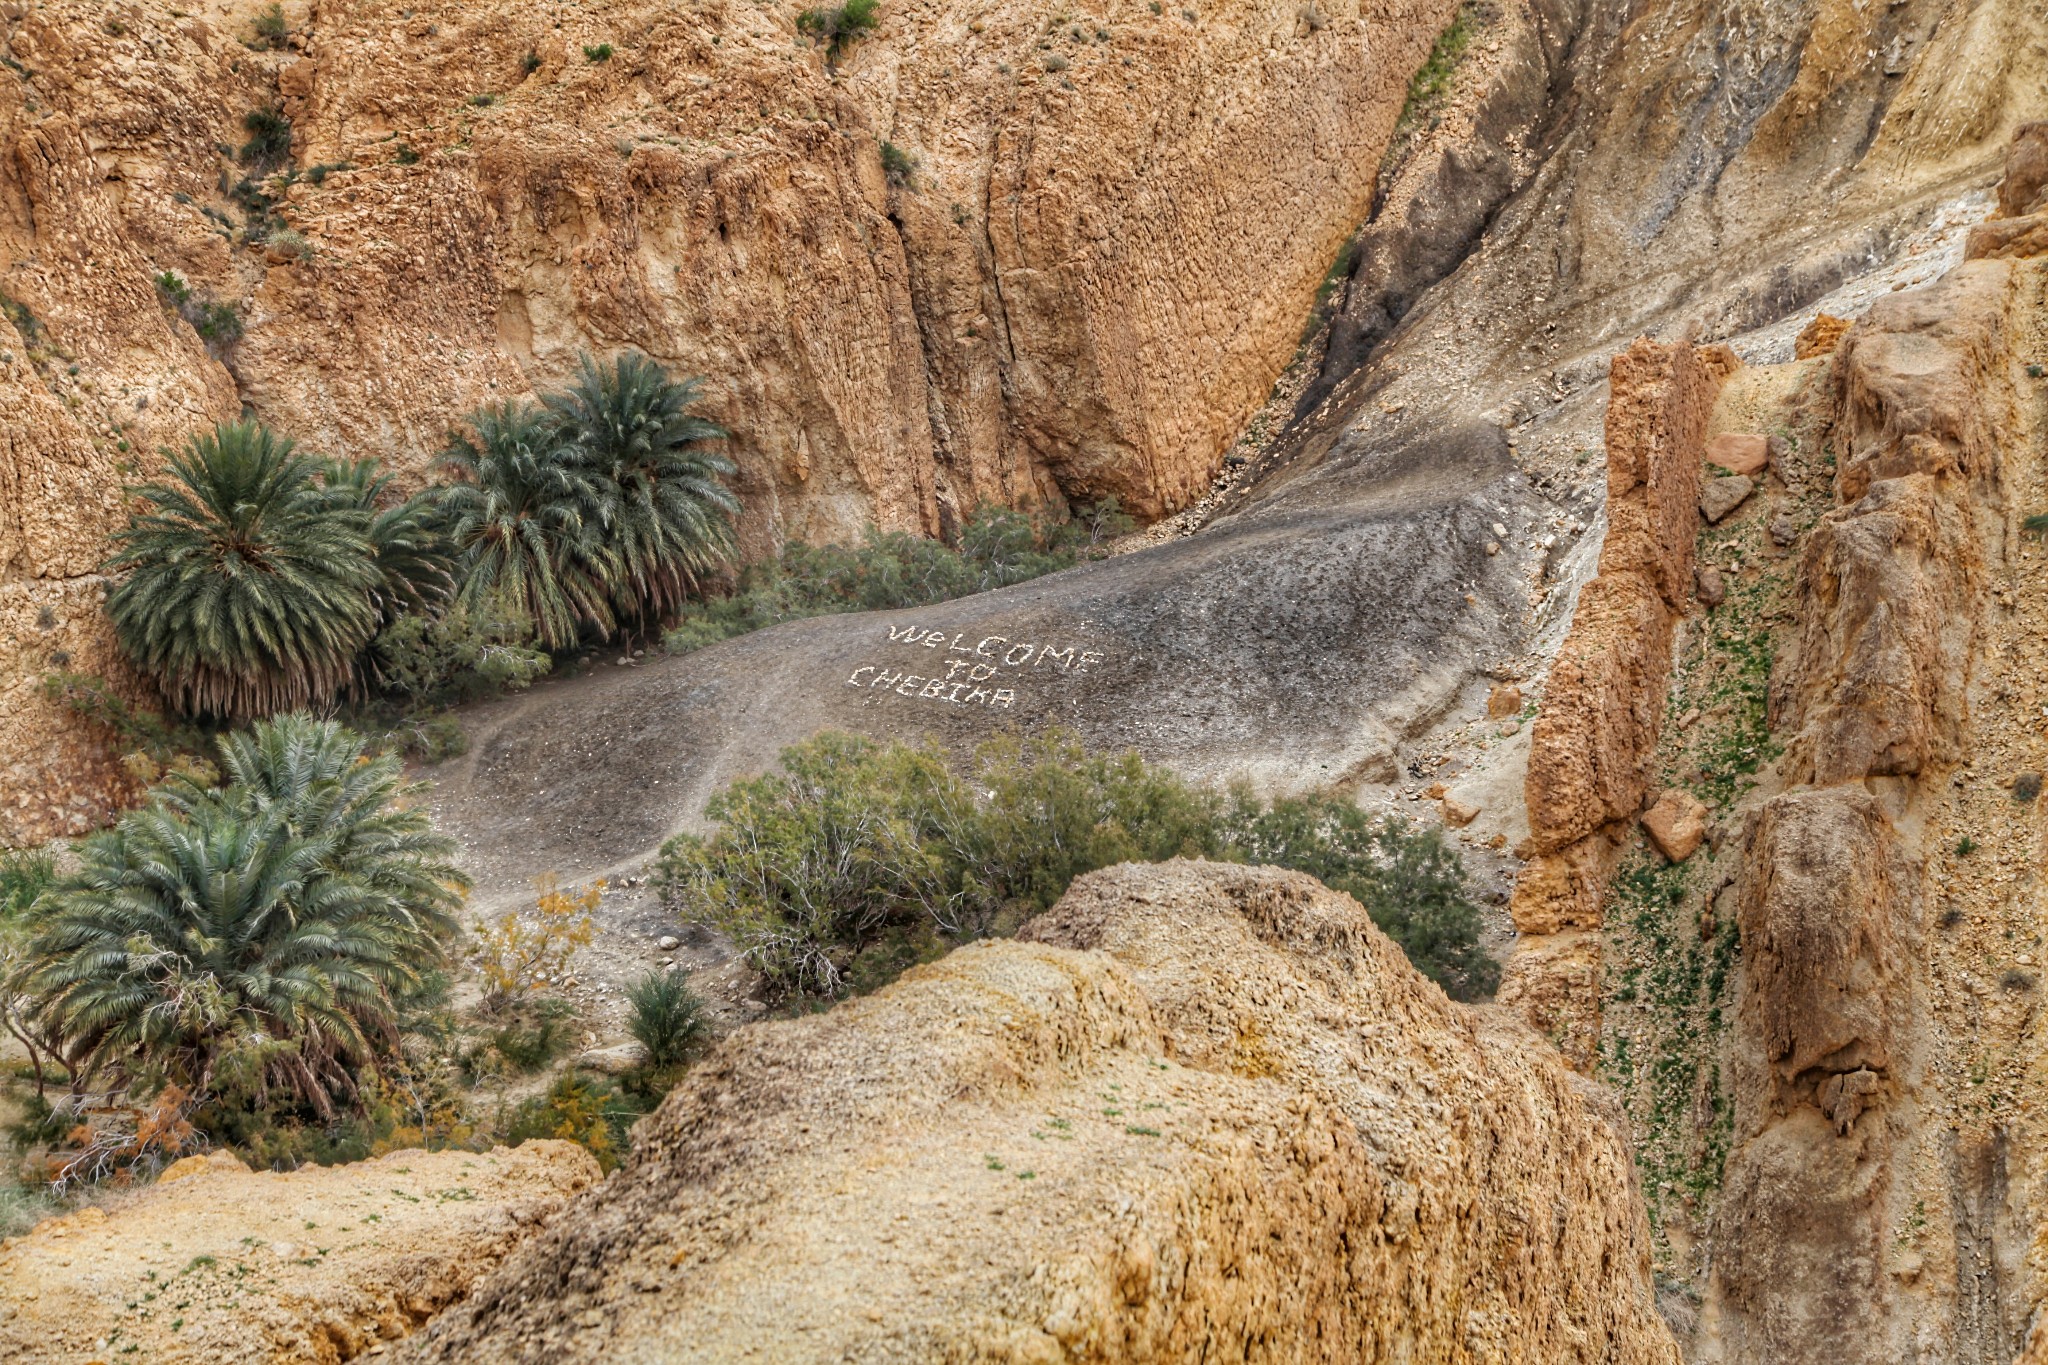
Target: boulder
(1504, 700)
(1740, 452)
(1719, 497)
(1676, 824)
(1709, 587)
(1457, 814)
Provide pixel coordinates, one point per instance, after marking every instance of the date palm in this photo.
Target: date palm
(259, 938)
(515, 515)
(415, 570)
(245, 589)
(654, 493)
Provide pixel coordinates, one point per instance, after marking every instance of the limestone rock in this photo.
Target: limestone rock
(613, 1061)
(1719, 497)
(1740, 452)
(1783, 530)
(1819, 337)
(1503, 700)
(1458, 814)
(318, 1265)
(1676, 824)
(1302, 1144)
(2020, 227)
(1656, 430)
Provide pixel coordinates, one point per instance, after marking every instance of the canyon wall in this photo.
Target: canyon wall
(1084, 265)
(1197, 1112)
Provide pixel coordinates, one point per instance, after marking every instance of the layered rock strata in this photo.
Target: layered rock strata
(1198, 1111)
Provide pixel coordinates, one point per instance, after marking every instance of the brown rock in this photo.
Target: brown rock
(1561, 891)
(1819, 337)
(280, 1267)
(1721, 496)
(1457, 814)
(1709, 587)
(1656, 431)
(1305, 1145)
(1740, 452)
(1503, 700)
(1783, 530)
(1676, 824)
(1590, 745)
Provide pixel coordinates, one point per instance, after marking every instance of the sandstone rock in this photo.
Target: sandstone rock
(1656, 431)
(1721, 496)
(613, 1061)
(1740, 452)
(1503, 700)
(1457, 814)
(1676, 824)
(1709, 587)
(1590, 744)
(1882, 664)
(1562, 891)
(1303, 1144)
(2020, 226)
(212, 1163)
(251, 1287)
(1819, 337)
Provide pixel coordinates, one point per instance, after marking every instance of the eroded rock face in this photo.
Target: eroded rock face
(319, 1265)
(1199, 1108)
(1085, 276)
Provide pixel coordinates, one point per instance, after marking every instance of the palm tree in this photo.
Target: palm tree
(654, 493)
(262, 936)
(514, 515)
(415, 570)
(247, 591)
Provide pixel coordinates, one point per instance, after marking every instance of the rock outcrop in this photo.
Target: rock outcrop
(1081, 269)
(1880, 1189)
(1590, 747)
(1199, 1111)
(217, 1265)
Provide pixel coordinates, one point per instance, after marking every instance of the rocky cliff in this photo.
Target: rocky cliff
(1197, 1112)
(217, 1263)
(1083, 266)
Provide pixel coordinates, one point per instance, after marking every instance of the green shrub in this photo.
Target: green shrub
(528, 1048)
(840, 28)
(270, 138)
(269, 27)
(25, 874)
(667, 1018)
(470, 652)
(589, 1110)
(292, 243)
(897, 165)
(856, 858)
(530, 63)
(892, 570)
(405, 155)
(601, 53)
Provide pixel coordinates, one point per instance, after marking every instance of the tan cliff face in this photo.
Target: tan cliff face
(1201, 1111)
(1091, 272)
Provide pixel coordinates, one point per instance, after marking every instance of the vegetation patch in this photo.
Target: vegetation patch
(857, 859)
(893, 570)
(840, 27)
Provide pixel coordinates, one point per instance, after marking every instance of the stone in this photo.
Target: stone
(1503, 700)
(1676, 824)
(1783, 530)
(668, 943)
(1719, 497)
(613, 1061)
(1709, 587)
(1457, 814)
(1819, 337)
(1740, 452)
